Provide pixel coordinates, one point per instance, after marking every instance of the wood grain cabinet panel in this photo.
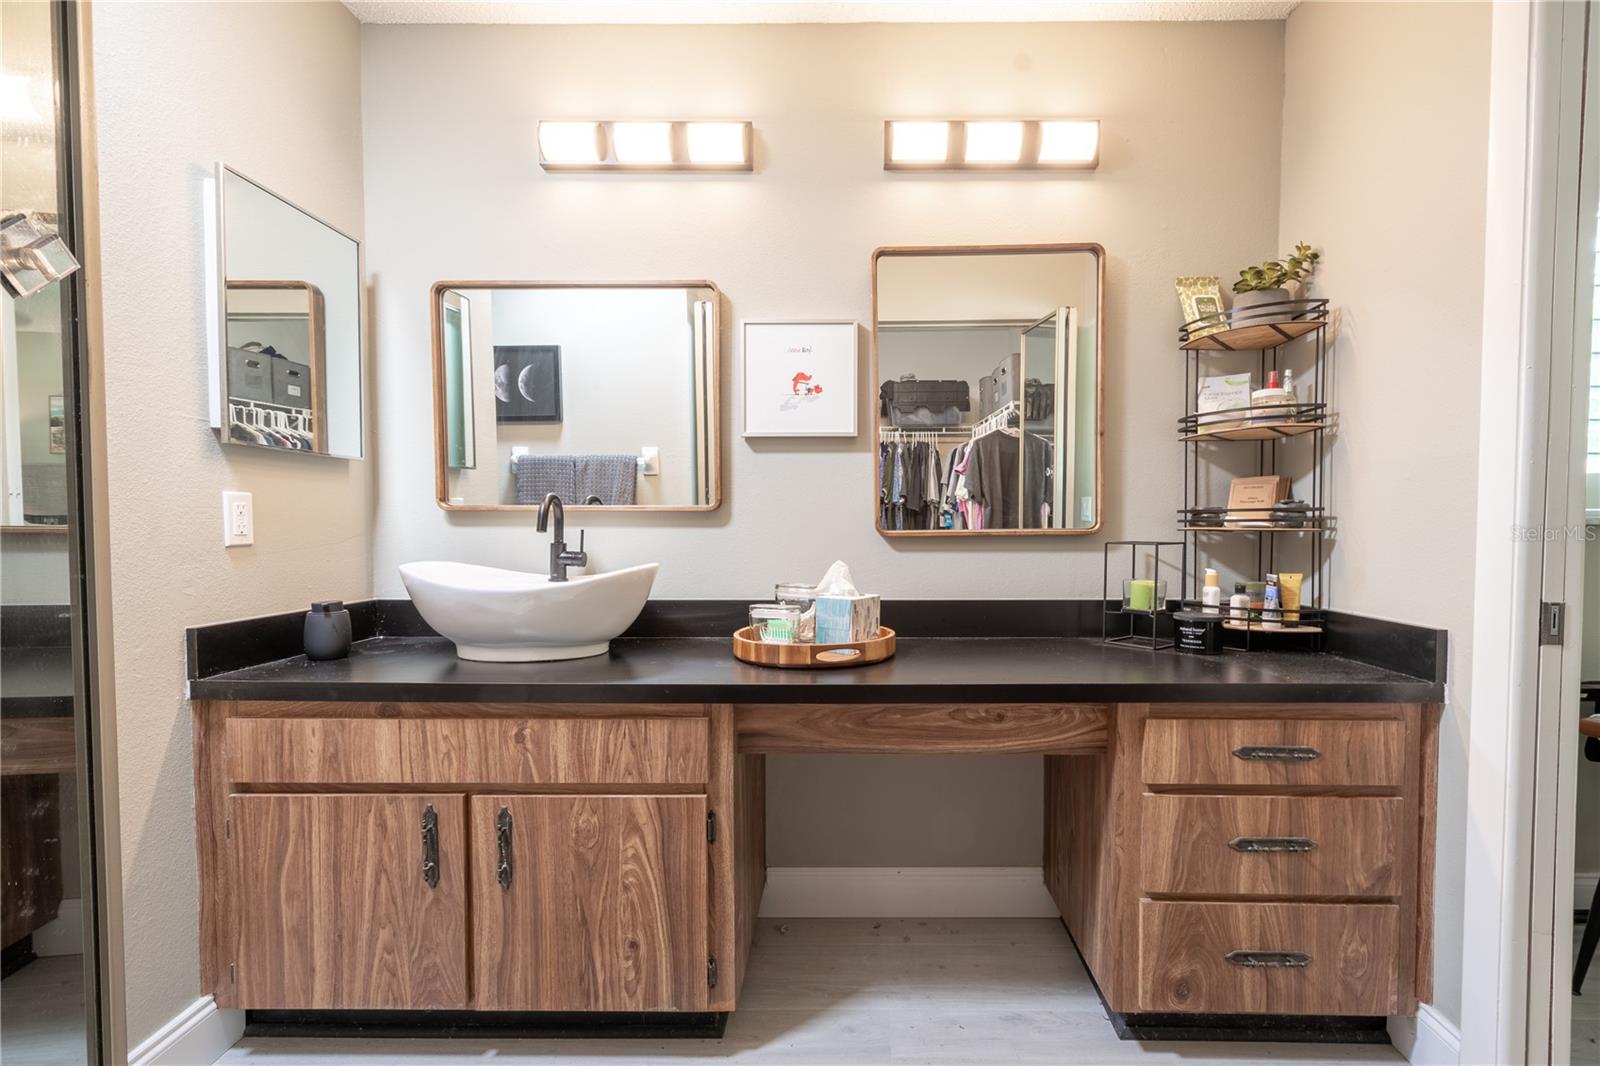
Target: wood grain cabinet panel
(313, 751)
(1246, 752)
(589, 903)
(1268, 958)
(1271, 846)
(335, 905)
(556, 751)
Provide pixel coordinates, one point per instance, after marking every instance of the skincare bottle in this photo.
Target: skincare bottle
(1239, 603)
(1273, 395)
(1211, 594)
(1288, 385)
(1272, 605)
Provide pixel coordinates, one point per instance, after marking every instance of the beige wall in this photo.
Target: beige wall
(1385, 133)
(449, 116)
(272, 89)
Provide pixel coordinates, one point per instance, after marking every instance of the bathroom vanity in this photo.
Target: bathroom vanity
(405, 831)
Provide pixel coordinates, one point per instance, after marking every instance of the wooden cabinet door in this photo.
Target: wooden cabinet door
(338, 908)
(589, 903)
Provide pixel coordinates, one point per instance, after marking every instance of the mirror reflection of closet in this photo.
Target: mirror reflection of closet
(987, 363)
(288, 373)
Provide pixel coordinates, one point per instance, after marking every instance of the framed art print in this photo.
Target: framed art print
(800, 378)
(527, 383)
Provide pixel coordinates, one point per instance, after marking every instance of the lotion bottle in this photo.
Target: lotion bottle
(1239, 603)
(1272, 604)
(1211, 594)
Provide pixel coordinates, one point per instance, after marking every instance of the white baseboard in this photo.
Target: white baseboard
(914, 892)
(198, 1036)
(63, 934)
(1429, 1039)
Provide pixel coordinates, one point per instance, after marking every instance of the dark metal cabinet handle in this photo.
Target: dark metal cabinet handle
(1255, 845)
(430, 846)
(502, 828)
(1276, 753)
(1269, 960)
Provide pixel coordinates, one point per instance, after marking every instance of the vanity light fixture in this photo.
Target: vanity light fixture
(992, 144)
(645, 145)
(570, 143)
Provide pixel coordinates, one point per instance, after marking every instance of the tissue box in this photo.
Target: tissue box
(847, 619)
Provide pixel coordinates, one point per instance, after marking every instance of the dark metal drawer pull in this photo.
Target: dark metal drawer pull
(502, 828)
(1276, 753)
(1253, 845)
(430, 846)
(1276, 960)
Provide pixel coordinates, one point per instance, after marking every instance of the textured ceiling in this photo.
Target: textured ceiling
(736, 11)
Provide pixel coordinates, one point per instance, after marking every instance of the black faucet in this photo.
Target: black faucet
(560, 557)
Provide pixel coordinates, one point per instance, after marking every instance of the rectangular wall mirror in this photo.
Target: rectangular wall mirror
(987, 365)
(605, 394)
(288, 357)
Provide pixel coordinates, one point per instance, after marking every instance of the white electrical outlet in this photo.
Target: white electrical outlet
(1086, 509)
(238, 520)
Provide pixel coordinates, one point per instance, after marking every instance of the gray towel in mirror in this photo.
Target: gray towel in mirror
(539, 475)
(610, 477)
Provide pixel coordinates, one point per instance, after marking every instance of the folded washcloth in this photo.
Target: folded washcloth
(610, 477)
(539, 475)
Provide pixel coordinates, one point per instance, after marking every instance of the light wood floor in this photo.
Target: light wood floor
(861, 992)
(41, 1014)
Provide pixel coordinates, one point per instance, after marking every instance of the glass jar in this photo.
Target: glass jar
(775, 623)
(796, 592)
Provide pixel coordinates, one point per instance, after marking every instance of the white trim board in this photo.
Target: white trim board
(1429, 1039)
(197, 1036)
(907, 892)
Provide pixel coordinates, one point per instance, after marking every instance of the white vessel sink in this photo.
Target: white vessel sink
(507, 616)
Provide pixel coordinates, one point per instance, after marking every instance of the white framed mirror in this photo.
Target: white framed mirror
(286, 348)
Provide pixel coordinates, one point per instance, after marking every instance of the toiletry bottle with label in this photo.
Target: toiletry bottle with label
(1239, 603)
(1211, 594)
(1272, 605)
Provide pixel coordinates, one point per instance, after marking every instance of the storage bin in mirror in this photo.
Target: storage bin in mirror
(987, 362)
(606, 394)
(286, 360)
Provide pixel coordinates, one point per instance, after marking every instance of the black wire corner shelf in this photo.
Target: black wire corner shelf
(1252, 329)
(1287, 536)
(1265, 422)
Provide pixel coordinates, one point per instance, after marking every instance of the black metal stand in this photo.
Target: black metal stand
(1263, 329)
(1114, 607)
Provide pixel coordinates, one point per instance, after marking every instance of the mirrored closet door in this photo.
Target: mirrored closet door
(50, 1002)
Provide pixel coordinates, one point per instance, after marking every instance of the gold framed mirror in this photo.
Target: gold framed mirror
(607, 394)
(988, 366)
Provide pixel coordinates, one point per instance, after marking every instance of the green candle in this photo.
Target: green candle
(1141, 595)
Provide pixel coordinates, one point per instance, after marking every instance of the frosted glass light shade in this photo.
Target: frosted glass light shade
(569, 142)
(919, 142)
(994, 142)
(641, 142)
(716, 142)
(1069, 142)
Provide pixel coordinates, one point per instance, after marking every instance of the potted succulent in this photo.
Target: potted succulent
(1269, 284)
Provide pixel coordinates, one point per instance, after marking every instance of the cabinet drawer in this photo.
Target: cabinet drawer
(501, 751)
(1271, 846)
(1274, 751)
(1268, 958)
(557, 751)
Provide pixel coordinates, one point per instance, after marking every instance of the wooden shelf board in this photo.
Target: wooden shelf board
(1258, 431)
(1245, 627)
(1253, 338)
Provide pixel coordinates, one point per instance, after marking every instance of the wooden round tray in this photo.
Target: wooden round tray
(813, 656)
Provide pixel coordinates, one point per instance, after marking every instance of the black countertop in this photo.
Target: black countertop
(925, 669)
